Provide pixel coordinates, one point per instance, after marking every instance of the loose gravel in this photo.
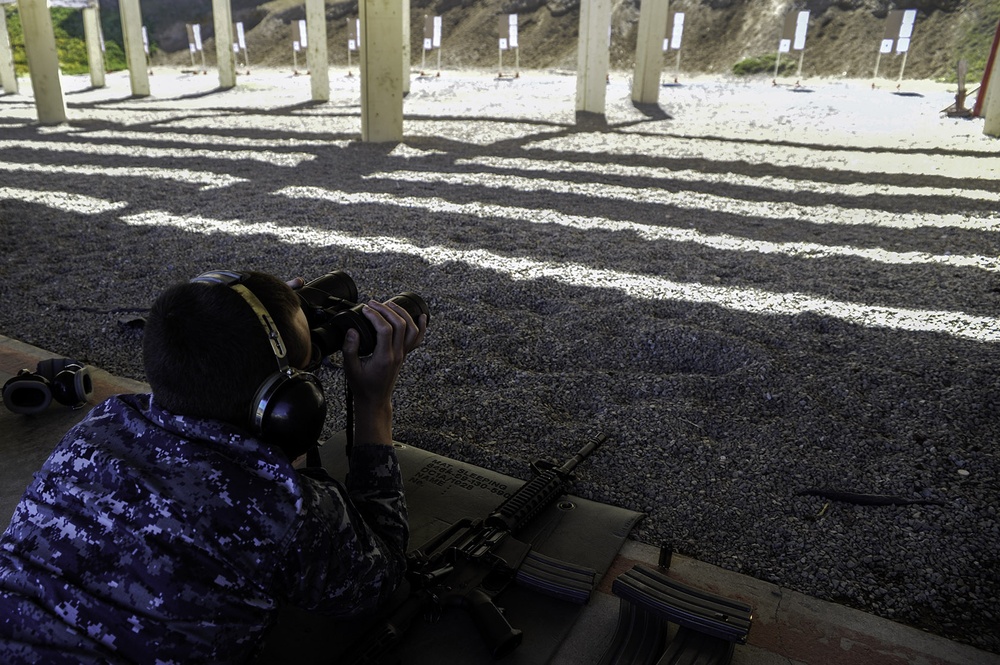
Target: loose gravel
(754, 290)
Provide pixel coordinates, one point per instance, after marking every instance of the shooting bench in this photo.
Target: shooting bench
(708, 625)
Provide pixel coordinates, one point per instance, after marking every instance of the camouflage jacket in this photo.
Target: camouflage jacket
(154, 538)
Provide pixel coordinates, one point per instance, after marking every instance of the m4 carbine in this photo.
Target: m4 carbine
(473, 560)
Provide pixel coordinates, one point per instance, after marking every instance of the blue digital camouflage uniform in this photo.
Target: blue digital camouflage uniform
(154, 538)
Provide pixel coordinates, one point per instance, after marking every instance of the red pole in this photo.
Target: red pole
(977, 110)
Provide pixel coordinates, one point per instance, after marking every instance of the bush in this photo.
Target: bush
(114, 57)
(764, 64)
(67, 24)
(974, 46)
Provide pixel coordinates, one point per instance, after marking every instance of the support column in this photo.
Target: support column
(8, 75)
(406, 47)
(991, 107)
(225, 58)
(593, 56)
(43, 60)
(135, 52)
(653, 15)
(92, 35)
(319, 61)
(381, 75)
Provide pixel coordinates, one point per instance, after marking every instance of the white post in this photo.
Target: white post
(406, 47)
(319, 61)
(92, 35)
(593, 56)
(135, 52)
(8, 75)
(240, 45)
(991, 105)
(799, 40)
(192, 46)
(653, 15)
(353, 39)
(381, 78)
(222, 21)
(43, 60)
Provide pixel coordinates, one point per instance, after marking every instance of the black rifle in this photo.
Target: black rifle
(472, 561)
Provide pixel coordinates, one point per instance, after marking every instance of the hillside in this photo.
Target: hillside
(842, 41)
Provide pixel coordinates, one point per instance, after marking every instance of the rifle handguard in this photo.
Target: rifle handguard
(528, 501)
(546, 486)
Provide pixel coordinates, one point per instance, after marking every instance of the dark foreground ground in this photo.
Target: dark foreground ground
(755, 292)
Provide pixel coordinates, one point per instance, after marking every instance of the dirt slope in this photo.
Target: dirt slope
(843, 35)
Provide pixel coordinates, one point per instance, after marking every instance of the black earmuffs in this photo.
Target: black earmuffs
(65, 380)
(289, 408)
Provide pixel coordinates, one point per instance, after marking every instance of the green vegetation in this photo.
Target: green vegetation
(980, 18)
(764, 64)
(67, 24)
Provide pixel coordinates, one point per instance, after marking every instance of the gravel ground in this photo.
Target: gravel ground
(754, 290)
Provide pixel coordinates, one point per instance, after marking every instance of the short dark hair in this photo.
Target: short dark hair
(205, 351)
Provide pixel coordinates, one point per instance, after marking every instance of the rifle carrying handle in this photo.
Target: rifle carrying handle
(497, 633)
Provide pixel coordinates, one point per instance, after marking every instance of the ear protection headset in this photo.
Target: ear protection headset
(289, 408)
(65, 380)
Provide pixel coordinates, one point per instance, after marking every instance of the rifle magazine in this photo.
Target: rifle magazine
(556, 578)
(684, 605)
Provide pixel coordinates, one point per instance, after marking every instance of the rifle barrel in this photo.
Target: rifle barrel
(583, 454)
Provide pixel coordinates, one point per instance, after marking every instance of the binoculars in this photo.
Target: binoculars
(331, 308)
(65, 380)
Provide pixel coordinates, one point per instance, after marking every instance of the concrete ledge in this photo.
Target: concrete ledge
(15, 355)
(791, 627)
